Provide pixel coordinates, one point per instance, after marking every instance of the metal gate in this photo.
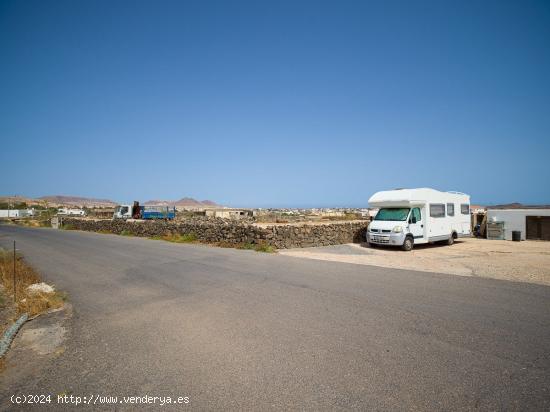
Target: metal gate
(538, 227)
(495, 230)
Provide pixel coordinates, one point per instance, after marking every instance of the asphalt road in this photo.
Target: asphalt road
(251, 331)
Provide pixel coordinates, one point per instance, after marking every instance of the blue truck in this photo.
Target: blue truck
(152, 212)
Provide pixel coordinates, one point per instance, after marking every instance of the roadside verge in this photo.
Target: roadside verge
(23, 296)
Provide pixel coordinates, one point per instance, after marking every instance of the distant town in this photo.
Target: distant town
(104, 208)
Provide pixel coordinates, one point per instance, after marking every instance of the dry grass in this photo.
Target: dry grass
(192, 238)
(176, 238)
(33, 222)
(258, 247)
(31, 303)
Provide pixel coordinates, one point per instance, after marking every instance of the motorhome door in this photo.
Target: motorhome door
(416, 223)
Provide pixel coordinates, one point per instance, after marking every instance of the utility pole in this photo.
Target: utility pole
(14, 285)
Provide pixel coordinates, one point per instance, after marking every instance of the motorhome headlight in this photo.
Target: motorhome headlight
(397, 229)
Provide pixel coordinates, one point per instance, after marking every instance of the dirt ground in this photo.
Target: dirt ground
(527, 261)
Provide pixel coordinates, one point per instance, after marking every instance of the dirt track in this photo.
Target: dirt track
(527, 261)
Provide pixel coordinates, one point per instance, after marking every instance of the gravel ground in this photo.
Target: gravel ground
(527, 261)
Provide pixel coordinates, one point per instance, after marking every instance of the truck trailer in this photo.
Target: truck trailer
(414, 216)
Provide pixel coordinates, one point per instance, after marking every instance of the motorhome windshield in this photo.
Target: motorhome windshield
(392, 214)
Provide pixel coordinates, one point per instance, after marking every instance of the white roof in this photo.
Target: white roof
(405, 197)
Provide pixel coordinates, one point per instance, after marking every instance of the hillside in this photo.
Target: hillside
(518, 206)
(58, 200)
(77, 201)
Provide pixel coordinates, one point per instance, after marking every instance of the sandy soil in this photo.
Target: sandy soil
(527, 261)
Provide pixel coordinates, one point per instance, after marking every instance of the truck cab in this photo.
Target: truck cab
(123, 212)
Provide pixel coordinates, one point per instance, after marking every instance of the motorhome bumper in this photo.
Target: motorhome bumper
(395, 239)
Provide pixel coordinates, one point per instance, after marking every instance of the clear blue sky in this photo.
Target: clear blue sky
(275, 103)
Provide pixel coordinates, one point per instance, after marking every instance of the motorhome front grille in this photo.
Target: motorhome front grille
(386, 230)
(374, 230)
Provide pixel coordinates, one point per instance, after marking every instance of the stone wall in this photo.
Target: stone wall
(212, 230)
(309, 235)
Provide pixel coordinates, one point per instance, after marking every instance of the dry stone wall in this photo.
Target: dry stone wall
(212, 230)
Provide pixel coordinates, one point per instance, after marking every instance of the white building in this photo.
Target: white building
(9, 213)
(229, 213)
(13, 213)
(532, 223)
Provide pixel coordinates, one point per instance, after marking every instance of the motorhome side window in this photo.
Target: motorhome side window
(450, 209)
(437, 210)
(465, 208)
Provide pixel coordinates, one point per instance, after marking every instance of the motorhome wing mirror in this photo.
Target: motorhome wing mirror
(413, 220)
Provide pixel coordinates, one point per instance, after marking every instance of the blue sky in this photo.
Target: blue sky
(275, 103)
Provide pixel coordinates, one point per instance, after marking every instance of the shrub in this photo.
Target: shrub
(258, 247)
(264, 247)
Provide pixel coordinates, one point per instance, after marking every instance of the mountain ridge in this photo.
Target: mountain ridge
(183, 202)
(76, 200)
(81, 201)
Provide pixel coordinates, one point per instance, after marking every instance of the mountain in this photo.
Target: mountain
(517, 205)
(77, 201)
(184, 202)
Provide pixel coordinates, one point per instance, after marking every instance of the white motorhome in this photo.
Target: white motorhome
(71, 212)
(414, 216)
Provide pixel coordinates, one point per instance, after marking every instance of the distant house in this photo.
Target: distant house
(229, 213)
(533, 223)
(477, 209)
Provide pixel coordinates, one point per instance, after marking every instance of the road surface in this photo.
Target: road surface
(244, 330)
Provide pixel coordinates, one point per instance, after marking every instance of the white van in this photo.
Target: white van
(414, 216)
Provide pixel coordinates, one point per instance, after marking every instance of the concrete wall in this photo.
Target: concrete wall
(514, 219)
(211, 230)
